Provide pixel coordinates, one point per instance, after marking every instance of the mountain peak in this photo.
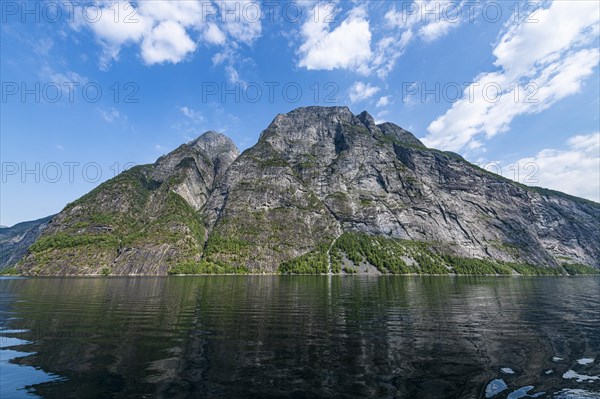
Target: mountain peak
(212, 141)
(391, 130)
(316, 174)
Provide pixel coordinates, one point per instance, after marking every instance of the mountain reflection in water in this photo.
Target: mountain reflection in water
(300, 336)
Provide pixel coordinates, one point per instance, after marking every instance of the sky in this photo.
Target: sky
(91, 88)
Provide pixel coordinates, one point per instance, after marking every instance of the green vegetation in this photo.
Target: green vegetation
(219, 244)
(382, 253)
(476, 266)
(64, 240)
(207, 267)
(270, 162)
(527, 269)
(133, 186)
(129, 211)
(578, 269)
(335, 257)
(10, 271)
(395, 256)
(314, 262)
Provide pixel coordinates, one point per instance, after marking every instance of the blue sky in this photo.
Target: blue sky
(88, 90)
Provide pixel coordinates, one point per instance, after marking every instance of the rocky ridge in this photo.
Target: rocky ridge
(315, 175)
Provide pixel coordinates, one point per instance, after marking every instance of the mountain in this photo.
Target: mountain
(15, 240)
(322, 190)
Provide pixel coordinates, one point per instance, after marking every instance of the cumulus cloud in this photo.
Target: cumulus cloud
(531, 77)
(343, 47)
(351, 44)
(168, 31)
(167, 42)
(361, 91)
(574, 170)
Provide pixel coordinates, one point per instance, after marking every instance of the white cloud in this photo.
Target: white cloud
(546, 68)
(574, 170)
(166, 31)
(167, 42)
(241, 19)
(383, 101)
(191, 114)
(186, 13)
(214, 35)
(192, 123)
(346, 46)
(113, 35)
(62, 78)
(387, 51)
(229, 58)
(428, 20)
(559, 27)
(360, 91)
(110, 115)
(43, 46)
(66, 82)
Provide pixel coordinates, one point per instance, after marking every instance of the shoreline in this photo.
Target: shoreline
(295, 274)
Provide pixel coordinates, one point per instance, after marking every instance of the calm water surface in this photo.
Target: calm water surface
(300, 337)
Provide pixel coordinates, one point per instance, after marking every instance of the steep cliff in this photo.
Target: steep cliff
(15, 240)
(141, 222)
(315, 175)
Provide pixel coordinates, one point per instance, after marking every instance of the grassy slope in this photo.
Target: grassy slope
(95, 230)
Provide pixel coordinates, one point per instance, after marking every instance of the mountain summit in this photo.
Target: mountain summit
(323, 189)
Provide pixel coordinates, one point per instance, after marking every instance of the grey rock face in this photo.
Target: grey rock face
(15, 240)
(314, 174)
(198, 164)
(400, 135)
(383, 181)
(142, 222)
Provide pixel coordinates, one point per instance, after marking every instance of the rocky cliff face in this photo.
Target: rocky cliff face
(141, 222)
(15, 240)
(314, 174)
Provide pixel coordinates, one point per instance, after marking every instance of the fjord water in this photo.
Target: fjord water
(300, 336)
